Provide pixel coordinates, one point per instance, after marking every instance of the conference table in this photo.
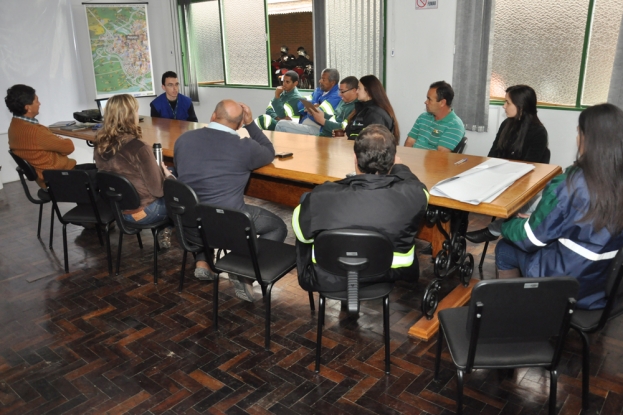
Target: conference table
(316, 160)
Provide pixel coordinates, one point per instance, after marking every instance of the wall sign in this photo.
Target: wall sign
(426, 4)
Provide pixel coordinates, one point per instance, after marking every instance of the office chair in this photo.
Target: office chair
(353, 254)
(122, 195)
(510, 323)
(460, 147)
(592, 321)
(27, 172)
(75, 186)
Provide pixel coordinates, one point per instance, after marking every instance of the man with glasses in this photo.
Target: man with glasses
(325, 98)
(348, 92)
(172, 104)
(439, 128)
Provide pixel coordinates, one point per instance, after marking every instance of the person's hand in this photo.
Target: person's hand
(278, 91)
(318, 117)
(523, 216)
(287, 118)
(166, 171)
(247, 117)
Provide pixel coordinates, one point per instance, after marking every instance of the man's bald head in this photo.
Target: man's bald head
(229, 113)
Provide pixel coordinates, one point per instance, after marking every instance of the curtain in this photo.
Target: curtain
(615, 94)
(472, 62)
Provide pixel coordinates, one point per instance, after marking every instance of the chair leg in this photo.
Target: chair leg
(269, 289)
(215, 302)
(586, 362)
(51, 226)
(156, 249)
(386, 332)
(108, 250)
(99, 234)
(438, 356)
(319, 335)
(65, 248)
(140, 241)
(39, 224)
(119, 245)
(553, 384)
(311, 301)
(459, 392)
(181, 287)
(482, 256)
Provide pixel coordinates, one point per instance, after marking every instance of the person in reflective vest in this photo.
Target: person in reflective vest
(384, 196)
(284, 106)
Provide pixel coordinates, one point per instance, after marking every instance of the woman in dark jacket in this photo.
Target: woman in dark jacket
(521, 137)
(373, 107)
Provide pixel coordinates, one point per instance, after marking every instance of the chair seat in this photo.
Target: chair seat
(586, 320)
(274, 259)
(43, 195)
(84, 213)
(138, 225)
(496, 355)
(366, 292)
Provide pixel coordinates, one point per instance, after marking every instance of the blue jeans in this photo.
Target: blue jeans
(155, 212)
(508, 256)
(292, 127)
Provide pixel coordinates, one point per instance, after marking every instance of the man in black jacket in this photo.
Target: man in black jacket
(384, 196)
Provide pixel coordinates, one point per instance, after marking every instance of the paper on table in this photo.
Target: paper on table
(482, 183)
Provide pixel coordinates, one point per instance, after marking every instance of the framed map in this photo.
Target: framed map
(119, 40)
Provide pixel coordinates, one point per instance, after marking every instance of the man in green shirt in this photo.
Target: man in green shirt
(284, 105)
(439, 128)
(338, 121)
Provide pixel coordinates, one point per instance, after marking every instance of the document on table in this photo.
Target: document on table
(482, 183)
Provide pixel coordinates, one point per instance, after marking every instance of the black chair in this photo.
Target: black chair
(354, 254)
(460, 147)
(261, 260)
(75, 186)
(122, 195)
(509, 323)
(181, 201)
(27, 172)
(592, 321)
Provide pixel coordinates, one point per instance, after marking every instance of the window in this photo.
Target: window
(564, 49)
(238, 42)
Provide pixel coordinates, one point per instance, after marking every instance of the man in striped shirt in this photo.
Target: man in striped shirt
(439, 128)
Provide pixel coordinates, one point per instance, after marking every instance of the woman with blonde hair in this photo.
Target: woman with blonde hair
(119, 149)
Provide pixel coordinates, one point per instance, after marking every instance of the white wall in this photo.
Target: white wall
(44, 43)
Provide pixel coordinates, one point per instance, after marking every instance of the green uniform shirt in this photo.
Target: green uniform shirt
(430, 133)
(339, 120)
(285, 105)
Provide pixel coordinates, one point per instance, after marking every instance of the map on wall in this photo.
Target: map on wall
(119, 39)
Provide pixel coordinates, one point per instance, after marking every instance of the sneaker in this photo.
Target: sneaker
(243, 287)
(204, 274)
(164, 239)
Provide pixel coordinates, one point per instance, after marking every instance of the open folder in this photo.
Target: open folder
(482, 183)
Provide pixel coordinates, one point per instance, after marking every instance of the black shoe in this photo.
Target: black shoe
(482, 235)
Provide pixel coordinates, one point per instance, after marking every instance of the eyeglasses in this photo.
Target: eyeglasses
(343, 91)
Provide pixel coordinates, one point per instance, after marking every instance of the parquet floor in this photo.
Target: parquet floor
(90, 343)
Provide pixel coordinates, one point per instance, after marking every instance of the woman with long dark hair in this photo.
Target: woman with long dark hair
(373, 107)
(577, 228)
(521, 137)
(119, 149)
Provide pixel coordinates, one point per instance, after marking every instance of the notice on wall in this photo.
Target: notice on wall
(426, 4)
(119, 36)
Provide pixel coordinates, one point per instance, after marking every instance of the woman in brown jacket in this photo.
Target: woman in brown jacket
(119, 149)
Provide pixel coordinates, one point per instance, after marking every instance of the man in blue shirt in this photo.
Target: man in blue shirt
(172, 104)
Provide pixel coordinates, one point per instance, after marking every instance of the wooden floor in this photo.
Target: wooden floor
(90, 343)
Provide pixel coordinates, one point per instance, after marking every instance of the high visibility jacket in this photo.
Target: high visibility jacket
(339, 120)
(559, 242)
(393, 205)
(328, 102)
(285, 105)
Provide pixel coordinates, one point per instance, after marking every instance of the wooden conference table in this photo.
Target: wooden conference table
(316, 160)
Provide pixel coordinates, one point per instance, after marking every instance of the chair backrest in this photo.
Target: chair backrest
(521, 309)
(24, 167)
(227, 229)
(118, 190)
(367, 252)
(181, 201)
(70, 186)
(614, 290)
(460, 146)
